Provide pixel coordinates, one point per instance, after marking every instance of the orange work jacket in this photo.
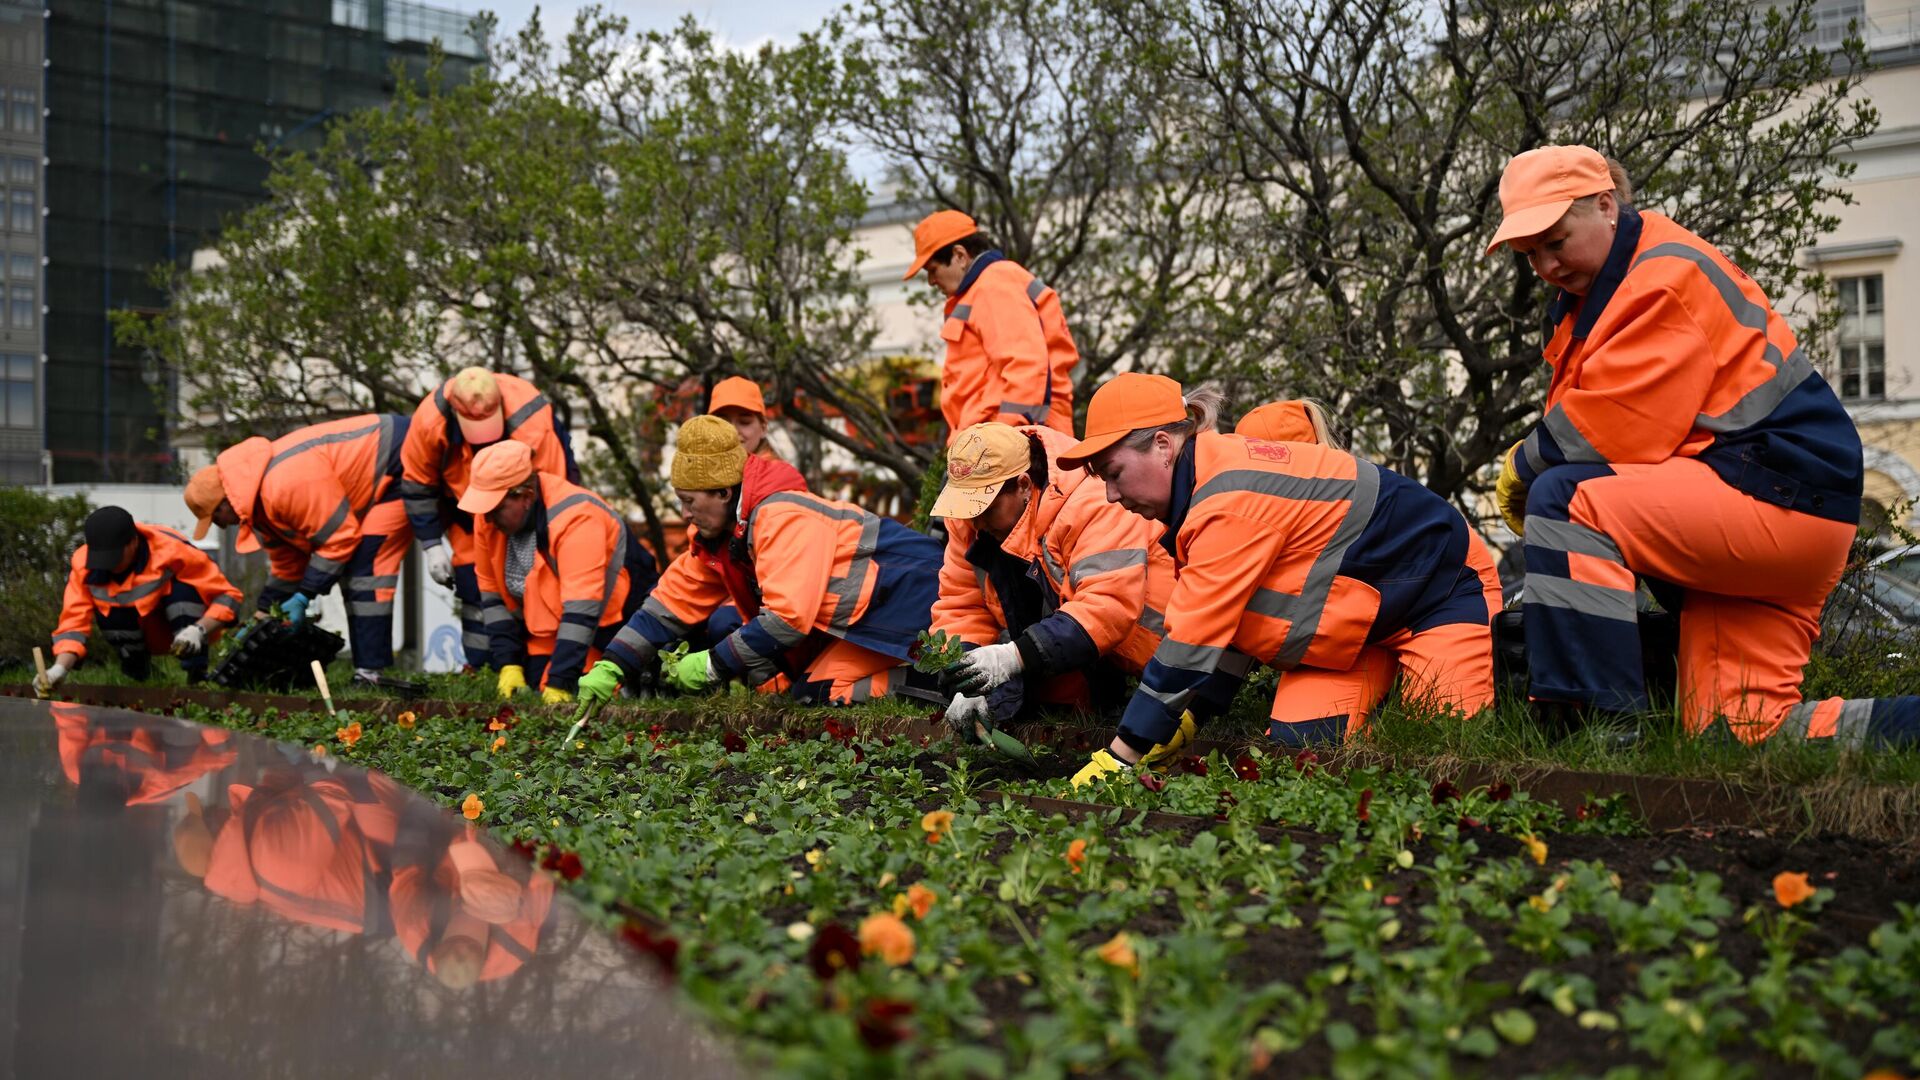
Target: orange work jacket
(436, 460)
(166, 557)
(1010, 356)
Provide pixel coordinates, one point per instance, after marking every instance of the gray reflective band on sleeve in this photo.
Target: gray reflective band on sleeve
(1179, 654)
(635, 640)
(1566, 536)
(589, 608)
(1035, 290)
(962, 312)
(1760, 402)
(186, 609)
(658, 610)
(380, 581)
(326, 440)
(780, 629)
(71, 635)
(1573, 445)
(577, 633)
(1106, 562)
(848, 588)
(1319, 583)
(319, 539)
(138, 592)
(1279, 485)
(1033, 413)
(324, 565)
(1596, 600)
(525, 412)
(1154, 622)
(369, 608)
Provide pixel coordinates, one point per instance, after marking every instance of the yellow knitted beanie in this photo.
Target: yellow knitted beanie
(708, 456)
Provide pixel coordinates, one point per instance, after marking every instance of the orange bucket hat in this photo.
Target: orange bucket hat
(204, 495)
(496, 470)
(936, 231)
(1540, 185)
(735, 392)
(1123, 405)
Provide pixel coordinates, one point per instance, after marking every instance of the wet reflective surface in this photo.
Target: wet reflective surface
(186, 901)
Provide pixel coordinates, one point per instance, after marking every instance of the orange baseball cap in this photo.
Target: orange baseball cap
(496, 470)
(204, 495)
(1538, 186)
(735, 392)
(1123, 405)
(938, 230)
(982, 460)
(1278, 421)
(475, 396)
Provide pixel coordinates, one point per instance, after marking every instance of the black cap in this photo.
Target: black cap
(108, 531)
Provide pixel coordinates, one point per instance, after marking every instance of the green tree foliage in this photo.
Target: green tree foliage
(38, 536)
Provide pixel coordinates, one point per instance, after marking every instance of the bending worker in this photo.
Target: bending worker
(1688, 440)
(557, 573)
(1342, 574)
(1046, 580)
(467, 413)
(149, 590)
(834, 597)
(1010, 356)
(325, 503)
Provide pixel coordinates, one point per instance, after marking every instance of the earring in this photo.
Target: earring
(1613, 224)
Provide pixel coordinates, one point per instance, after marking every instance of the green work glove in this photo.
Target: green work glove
(692, 673)
(513, 678)
(1101, 766)
(1165, 751)
(597, 687)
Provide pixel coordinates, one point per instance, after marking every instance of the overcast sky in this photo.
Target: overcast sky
(739, 22)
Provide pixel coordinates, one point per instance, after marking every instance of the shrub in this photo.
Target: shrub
(38, 535)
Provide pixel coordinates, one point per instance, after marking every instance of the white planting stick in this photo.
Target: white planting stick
(40, 664)
(320, 679)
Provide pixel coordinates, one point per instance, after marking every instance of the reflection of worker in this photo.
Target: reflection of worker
(1043, 574)
(149, 590)
(834, 596)
(309, 845)
(458, 911)
(1010, 356)
(325, 503)
(1343, 575)
(148, 761)
(557, 573)
(467, 413)
(738, 402)
(1686, 439)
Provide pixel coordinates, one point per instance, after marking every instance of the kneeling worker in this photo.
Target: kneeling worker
(1341, 574)
(149, 589)
(1045, 576)
(834, 597)
(557, 573)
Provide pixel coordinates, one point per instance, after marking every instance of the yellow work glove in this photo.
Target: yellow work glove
(553, 695)
(1510, 493)
(1165, 751)
(1099, 767)
(513, 678)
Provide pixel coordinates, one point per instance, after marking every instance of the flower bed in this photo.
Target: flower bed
(848, 904)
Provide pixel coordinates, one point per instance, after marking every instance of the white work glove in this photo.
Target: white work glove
(986, 668)
(439, 565)
(966, 711)
(190, 640)
(44, 684)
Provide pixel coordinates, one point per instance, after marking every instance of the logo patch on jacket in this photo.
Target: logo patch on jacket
(1268, 451)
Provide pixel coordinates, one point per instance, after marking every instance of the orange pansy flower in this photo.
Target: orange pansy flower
(937, 823)
(886, 936)
(1791, 889)
(1077, 855)
(472, 807)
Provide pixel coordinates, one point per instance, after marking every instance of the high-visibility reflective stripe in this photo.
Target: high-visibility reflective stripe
(1856, 715)
(186, 609)
(1276, 605)
(1555, 535)
(1797, 721)
(339, 518)
(1033, 413)
(1530, 450)
(1179, 654)
(1155, 622)
(474, 640)
(576, 633)
(1236, 663)
(1279, 485)
(1106, 562)
(71, 635)
(324, 440)
(812, 503)
(1035, 289)
(369, 608)
(1319, 582)
(1055, 572)
(1574, 447)
(386, 459)
(1759, 403)
(525, 412)
(1595, 600)
(848, 588)
(658, 610)
(589, 608)
(780, 629)
(962, 312)
(635, 640)
(498, 614)
(144, 589)
(379, 581)
(228, 602)
(512, 946)
(322, 564)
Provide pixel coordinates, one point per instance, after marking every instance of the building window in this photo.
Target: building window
(23, 211)
(26, 110)
(20, 170)
(1863, 346)
(23, 267)
(20, 307)
(16, 391)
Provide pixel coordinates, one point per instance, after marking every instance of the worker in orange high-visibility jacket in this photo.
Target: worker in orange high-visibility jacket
(738, 401)
(558, 574)
(1689, 441)
(469, 412)
(149, 590)
(1057, 592)
(834, 597)
(1010, 356)
(146, 759)
(1345, 576)
(463, 913)
(324, 501)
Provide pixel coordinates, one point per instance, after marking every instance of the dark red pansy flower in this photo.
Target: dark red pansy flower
(1468, 822)
(1224, 804)
(1248, 769)
(1365, 811)
(526, 849)
(1500, 791)
(733, 743)
(1585, 812)
(1193, 765)
(654, 731)
(1304, 761)
(834, 950)
(663, 947)
(1151, 781)
(568, 866)
(879, 1021)
(859, 755)
(840, 732)
(504, 714)
(1443, 790)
